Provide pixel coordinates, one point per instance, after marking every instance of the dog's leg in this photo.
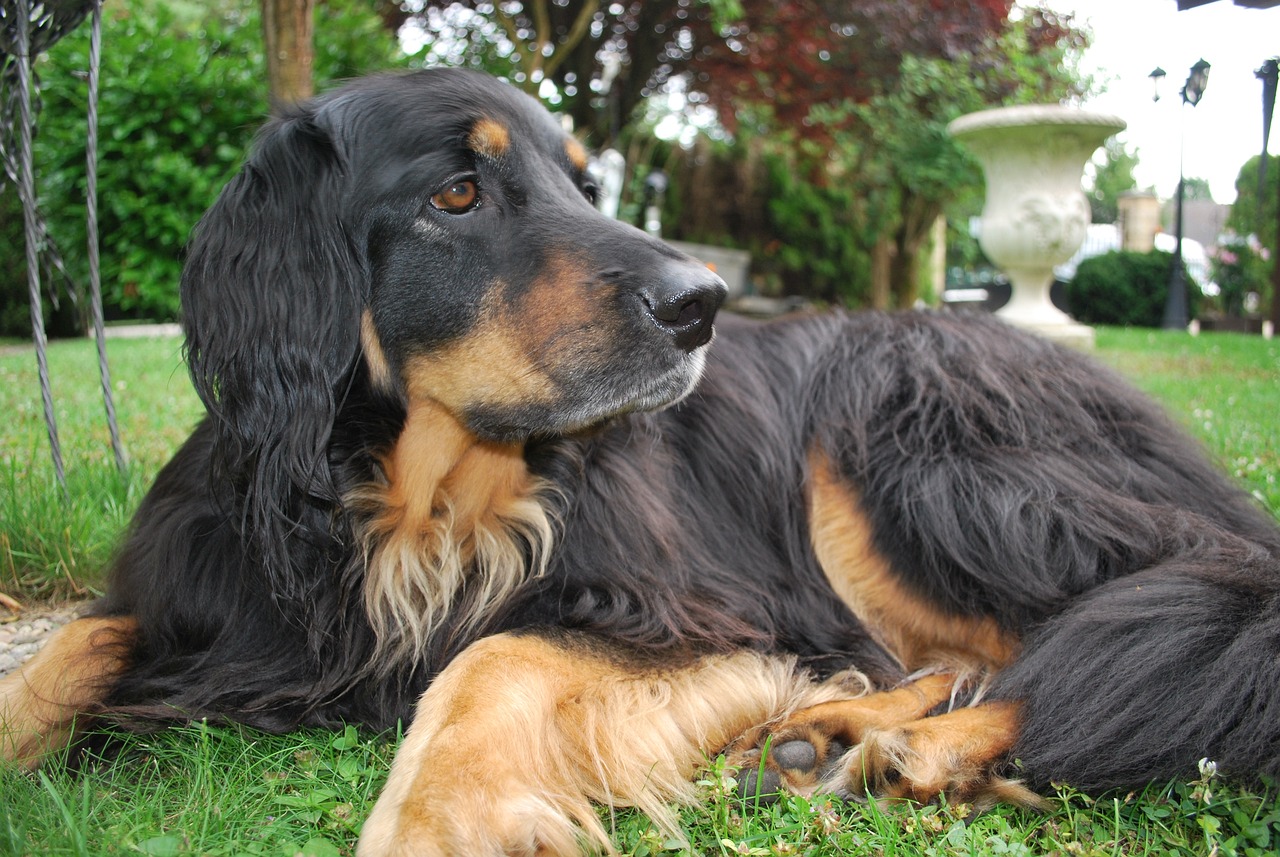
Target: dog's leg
(886, 744)
(516, 739)
(804, 750)
(958, 754)
(69, 676)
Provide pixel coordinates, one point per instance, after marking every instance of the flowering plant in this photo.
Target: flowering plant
(1240, 267)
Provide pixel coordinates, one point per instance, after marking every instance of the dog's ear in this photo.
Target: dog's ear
(271, 297)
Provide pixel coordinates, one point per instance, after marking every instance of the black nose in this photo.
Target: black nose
(684, 303)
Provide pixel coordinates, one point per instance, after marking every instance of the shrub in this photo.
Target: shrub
(183, 89)
(1125, 288)
(1240, 268)
(177, 102)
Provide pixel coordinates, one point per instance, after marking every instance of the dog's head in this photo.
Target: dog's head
(439, 227)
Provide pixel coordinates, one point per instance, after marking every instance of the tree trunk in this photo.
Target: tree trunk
(882, 263)
(918, 218)
(287, 30)
(904, 275)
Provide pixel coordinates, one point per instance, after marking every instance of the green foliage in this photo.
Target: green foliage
(200, 789)
(1112, 176)
(1241, 266)
(177, 101)
(893, 160)
(1254, 214)
(224, 790)
(1124, 288)
(183, 89)
(1197, 189)
(350, 40)
(815, 227)
(52, 545)
(15, 317)
(1224, 388)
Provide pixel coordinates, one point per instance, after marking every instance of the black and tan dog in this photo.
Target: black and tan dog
(468, 449)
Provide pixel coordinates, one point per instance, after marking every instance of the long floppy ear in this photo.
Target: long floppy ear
(271, 298)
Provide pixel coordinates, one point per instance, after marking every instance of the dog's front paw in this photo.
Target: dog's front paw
(958, 755)
(806, 751)
(796, 762)
(887, 745)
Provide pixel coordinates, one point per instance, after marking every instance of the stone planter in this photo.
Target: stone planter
(1035, 215)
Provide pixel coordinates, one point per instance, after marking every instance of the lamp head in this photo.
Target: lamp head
(1157, 77)
(1196, 82)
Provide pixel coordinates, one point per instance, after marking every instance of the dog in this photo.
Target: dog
(473, 462)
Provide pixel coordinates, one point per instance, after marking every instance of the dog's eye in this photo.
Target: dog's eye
(458, 198)
(591, 192)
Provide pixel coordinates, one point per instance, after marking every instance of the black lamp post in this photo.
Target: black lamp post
(1175, 307)
(1157, 77)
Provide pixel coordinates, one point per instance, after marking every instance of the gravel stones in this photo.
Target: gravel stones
(22, 634)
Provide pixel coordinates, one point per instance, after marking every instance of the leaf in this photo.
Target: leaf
(347, 740)
(351, 768)
(320, 847)
(162, 846)
(1210, 825)
(956, 834)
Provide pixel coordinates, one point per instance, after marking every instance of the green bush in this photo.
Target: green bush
(1241, 266)
(805, 238)
(178, 99)
(183, 90)
(1125, 288)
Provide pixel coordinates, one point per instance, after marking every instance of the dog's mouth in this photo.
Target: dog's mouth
(661, 391)
(589, 401)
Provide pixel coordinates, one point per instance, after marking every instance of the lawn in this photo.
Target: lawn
(226, 791)
(54, 547)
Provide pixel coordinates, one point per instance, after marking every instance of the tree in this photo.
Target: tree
(1254, 214)
(601, 60)
(1195, 189)
(898, 149)
(287, 35)
(796, 75)
(1257, 212)
(605, 59)
(354, 38)
(798, 55)
(1111, 177)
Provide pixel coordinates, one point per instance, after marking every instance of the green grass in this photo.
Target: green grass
(229, 791)
(1224, 388)
(51, 546)
(200, 790)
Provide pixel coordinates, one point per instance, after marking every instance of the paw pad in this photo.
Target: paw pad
(796, 765)
(796, 755)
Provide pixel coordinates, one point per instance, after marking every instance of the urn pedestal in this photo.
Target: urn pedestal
(1036, 215)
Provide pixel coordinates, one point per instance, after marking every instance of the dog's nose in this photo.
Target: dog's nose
(685, 306)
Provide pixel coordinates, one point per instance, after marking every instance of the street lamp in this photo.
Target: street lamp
(1157, 77)
(1175, 307)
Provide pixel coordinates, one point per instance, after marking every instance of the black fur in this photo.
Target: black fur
(1003, 476)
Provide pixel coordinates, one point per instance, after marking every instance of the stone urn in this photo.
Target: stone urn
(1035, 215)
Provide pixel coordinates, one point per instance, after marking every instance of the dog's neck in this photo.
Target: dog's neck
(437, 464)
(455, 525)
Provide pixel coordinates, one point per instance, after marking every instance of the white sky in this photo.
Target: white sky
(1132, 37)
